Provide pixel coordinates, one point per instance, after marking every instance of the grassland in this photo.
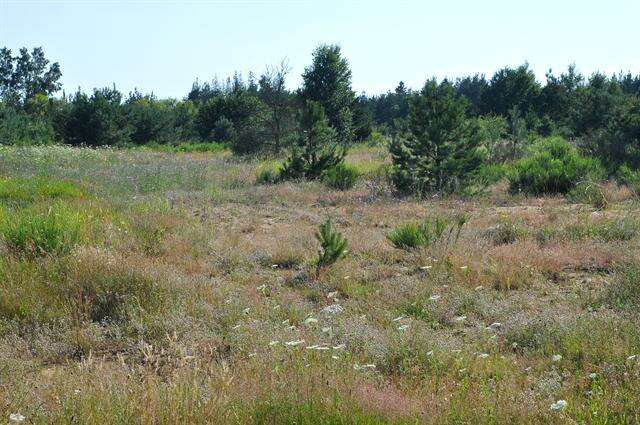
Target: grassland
(156, 287)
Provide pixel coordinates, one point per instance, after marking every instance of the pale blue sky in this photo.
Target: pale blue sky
(163, 46)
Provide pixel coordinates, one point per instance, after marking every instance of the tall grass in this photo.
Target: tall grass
(30, 233)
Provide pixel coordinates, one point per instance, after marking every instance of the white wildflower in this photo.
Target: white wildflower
(274, 342)
(483, 356)
(326, 329)
(364, 366)
(593, 375)
(335, 357)
(430, 353)
(479, 288)
(494, 326)
(310, 321)
(632, 358)
(403, 328)
(559, 405)
(16, 417)
(332, 309)
(556, 358)
(434, 297)
(246, 310)
(332, 295)
(461, 318)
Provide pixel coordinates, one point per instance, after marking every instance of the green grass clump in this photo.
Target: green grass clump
(553, 166)
(341, 177)
(32, 234)
(414, 235)
(29, 190)
(268, 173)
(606, 230)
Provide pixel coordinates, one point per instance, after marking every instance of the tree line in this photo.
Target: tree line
(454, 124)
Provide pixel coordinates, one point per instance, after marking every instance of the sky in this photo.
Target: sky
(164, 46)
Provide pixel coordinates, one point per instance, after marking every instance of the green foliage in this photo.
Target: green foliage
(29, 190)
(440, 150)
(327, 81)
(630, 178)
(19, 128)
(316, 149)
(341, 177)
(24, 76)
(31, 234)
(552, 166)
(268, 173)
(333, 246)
(415, 235)
(236, 117)
(96, 120)
(589, 193)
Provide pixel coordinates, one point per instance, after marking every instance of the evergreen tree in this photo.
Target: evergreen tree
(316, 149)
(439, 150)
(328, 82)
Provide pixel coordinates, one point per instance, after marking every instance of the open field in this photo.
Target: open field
(147, 287)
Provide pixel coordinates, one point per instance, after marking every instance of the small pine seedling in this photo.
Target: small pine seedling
(333, 246)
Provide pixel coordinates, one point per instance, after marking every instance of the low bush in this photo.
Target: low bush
(553, 166)
(589, 193)
(268, 173)
(341, 177)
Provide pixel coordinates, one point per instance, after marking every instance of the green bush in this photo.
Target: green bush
(630, 178)
(588, 193)
(333, 246)
(341, 177)
(268, 173)
(32, 234)
(552, 166)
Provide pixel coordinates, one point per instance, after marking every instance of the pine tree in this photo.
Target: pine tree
(438, 151)
(328, 82)
(316, 148)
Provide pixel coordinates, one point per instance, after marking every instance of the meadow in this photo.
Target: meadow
(139, 286)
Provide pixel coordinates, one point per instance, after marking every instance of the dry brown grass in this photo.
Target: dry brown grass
(217, 289)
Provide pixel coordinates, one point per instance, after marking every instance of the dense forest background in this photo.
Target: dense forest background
(259, 114)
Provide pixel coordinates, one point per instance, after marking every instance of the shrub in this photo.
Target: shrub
(333, 246)
(36, 234)
(341, 177)
(268, 173)
(552, 166)
(630, 178)
(589, 193)
(504, 233)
